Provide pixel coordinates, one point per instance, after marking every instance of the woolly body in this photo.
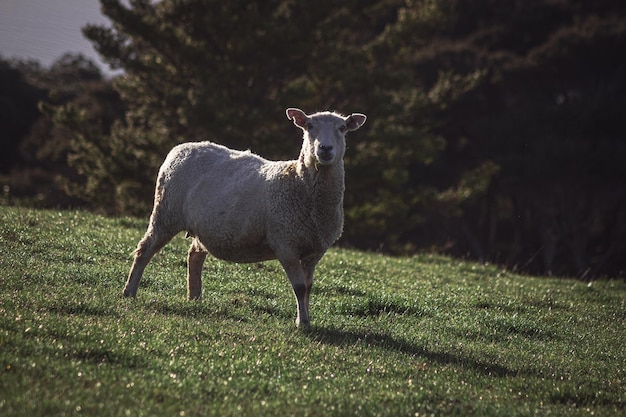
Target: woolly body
(251, 198)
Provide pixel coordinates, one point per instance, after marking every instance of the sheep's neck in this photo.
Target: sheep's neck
(326, 186)
(326, 182)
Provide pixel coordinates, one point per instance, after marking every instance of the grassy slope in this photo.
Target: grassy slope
(390, 336)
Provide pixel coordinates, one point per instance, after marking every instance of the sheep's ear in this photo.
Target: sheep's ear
(299, 117)
(355, 121)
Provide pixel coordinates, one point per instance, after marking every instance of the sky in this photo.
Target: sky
(44, 30)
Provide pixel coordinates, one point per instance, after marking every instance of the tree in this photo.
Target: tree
(18, 111)
(227, 70)
(550, 118)
(38, 169)
(493, 127)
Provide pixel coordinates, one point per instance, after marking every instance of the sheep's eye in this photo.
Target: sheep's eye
(309, 125)
(342, 128)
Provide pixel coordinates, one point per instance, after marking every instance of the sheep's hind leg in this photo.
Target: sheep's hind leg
(195, 260)
(147, 248)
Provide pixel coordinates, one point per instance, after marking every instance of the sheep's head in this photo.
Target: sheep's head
(324, 133)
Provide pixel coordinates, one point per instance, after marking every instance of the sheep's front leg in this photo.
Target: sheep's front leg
(308, 267)
(195, 260)
(295, 273)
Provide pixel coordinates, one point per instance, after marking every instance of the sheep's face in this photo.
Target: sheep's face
(326, 138)
(324, 133)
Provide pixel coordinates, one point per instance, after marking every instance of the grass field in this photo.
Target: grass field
(418, 336)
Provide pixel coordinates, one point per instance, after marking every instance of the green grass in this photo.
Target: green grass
(426, 335)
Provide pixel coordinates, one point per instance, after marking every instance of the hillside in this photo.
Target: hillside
(423, 335)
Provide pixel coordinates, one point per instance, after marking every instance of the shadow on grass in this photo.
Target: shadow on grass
(339, 290)
(236, 306)
(79, 308)
(376, 305)
(338, 337)
(110, 356)
(198, 309)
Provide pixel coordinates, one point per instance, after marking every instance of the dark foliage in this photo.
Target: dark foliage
(495, 129)
(18, 111)
(37, 170)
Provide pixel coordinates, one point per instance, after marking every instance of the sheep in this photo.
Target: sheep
(242, 208)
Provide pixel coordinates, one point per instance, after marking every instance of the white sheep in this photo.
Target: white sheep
(242, 208)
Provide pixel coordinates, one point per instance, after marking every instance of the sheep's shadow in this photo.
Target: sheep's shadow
(339, 337)
(80, 308)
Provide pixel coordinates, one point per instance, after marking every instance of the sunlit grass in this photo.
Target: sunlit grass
(426, 335)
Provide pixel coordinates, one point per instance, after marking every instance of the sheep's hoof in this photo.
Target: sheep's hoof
(303, 324)
(128, 293)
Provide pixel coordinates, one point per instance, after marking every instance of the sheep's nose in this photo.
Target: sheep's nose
(325, 154)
